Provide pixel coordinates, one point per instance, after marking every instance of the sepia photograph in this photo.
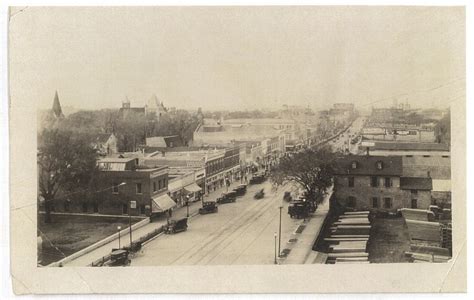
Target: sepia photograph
(230, 137)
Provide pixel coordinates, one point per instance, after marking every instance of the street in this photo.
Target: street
(240, 233)
(343, 141)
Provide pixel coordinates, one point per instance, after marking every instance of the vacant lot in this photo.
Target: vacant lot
(69, 234)
(388, 241)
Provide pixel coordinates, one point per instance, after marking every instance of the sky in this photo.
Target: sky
(238, 57)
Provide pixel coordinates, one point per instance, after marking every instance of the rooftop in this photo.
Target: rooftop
(370, 165)
(410, 146)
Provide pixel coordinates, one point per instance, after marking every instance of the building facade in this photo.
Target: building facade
(376, 183)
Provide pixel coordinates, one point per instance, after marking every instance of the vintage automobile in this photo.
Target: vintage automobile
(119, 257)
(258, 178)
(299, 209)
(175, 226)
(240, 189)
(260, 194)
(208, 208)
(227, 197)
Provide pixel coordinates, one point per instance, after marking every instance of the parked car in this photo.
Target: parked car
(241, 189)
(299, 209)
(227, 197)
(119, 257)
(175, 226)
(208, 208)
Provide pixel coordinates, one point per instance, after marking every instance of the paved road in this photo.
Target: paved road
(343, 142)
(240, 233)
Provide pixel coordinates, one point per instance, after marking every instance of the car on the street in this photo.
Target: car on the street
(208, 208)
(228, 197)
(240, 189)
(175, 226)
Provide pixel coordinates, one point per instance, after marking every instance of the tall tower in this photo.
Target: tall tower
(57, 111)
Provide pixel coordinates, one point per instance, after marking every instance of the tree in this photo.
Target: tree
(311, 169)
(180, 123)
(443, 130)
(66, 163)
(130, 131)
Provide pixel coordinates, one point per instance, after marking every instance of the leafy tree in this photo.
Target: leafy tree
(311, 169)
(180, 123)
(443, 130)
(130, 131)
(66, 163)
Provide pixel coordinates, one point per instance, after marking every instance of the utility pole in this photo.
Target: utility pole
(279, 234)
(275, 257)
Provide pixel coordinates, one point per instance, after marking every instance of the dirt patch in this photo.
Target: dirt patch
(69, 234)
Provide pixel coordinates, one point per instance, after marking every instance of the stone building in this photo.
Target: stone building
(376, 183)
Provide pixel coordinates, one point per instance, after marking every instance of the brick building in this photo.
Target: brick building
(377, 183)
(125, 185)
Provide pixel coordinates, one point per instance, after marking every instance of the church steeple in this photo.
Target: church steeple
(57, 111)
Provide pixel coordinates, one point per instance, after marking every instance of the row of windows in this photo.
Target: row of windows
(387, 202)
(374, 181)
(161, 184)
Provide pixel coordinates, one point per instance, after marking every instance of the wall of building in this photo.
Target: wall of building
(363, 193)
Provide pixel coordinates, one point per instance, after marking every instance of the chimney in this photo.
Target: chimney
(368, 154)
(429, 174)
(163, 153)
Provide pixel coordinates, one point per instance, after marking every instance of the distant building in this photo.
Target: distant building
(407, 148)
(163, 142)
(377, 183)
(126, 109)
(105, 144)
(57, 111)
(155, 106)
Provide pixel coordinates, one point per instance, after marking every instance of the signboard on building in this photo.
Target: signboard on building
(133, 204)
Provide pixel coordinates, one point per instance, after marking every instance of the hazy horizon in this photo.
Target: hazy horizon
(237, 58)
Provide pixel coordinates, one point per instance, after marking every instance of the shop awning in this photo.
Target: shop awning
(162, 203)
(192, 188)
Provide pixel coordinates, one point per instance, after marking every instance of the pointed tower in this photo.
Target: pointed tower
(57, 111)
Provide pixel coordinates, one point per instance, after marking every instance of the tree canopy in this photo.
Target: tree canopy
(65, 163)
(311, 169)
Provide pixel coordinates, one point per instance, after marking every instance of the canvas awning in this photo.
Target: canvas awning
(192, 188)
(162, 203)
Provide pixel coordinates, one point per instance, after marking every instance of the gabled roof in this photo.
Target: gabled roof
(416, 183)
(369, 165)
(102, 137)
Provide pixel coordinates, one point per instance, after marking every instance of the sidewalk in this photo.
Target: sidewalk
(178, 213)
(301, 251)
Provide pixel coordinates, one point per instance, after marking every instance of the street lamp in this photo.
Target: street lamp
(187, 205)
(118, 229)
(275, 258)
(279, 234)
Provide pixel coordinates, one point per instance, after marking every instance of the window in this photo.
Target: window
(165, 183)
(374, 182)
(159, 184)
(354, 165)
(379, 165)
(139, 188)
(375, 202)
(351, 201)
(115, 188)
(414, 203)
(388, 182)
(387, 202)
(426, 155)
(414, 192)
(154, 186)
(142, 209)
(124, 209)
(351, 181)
